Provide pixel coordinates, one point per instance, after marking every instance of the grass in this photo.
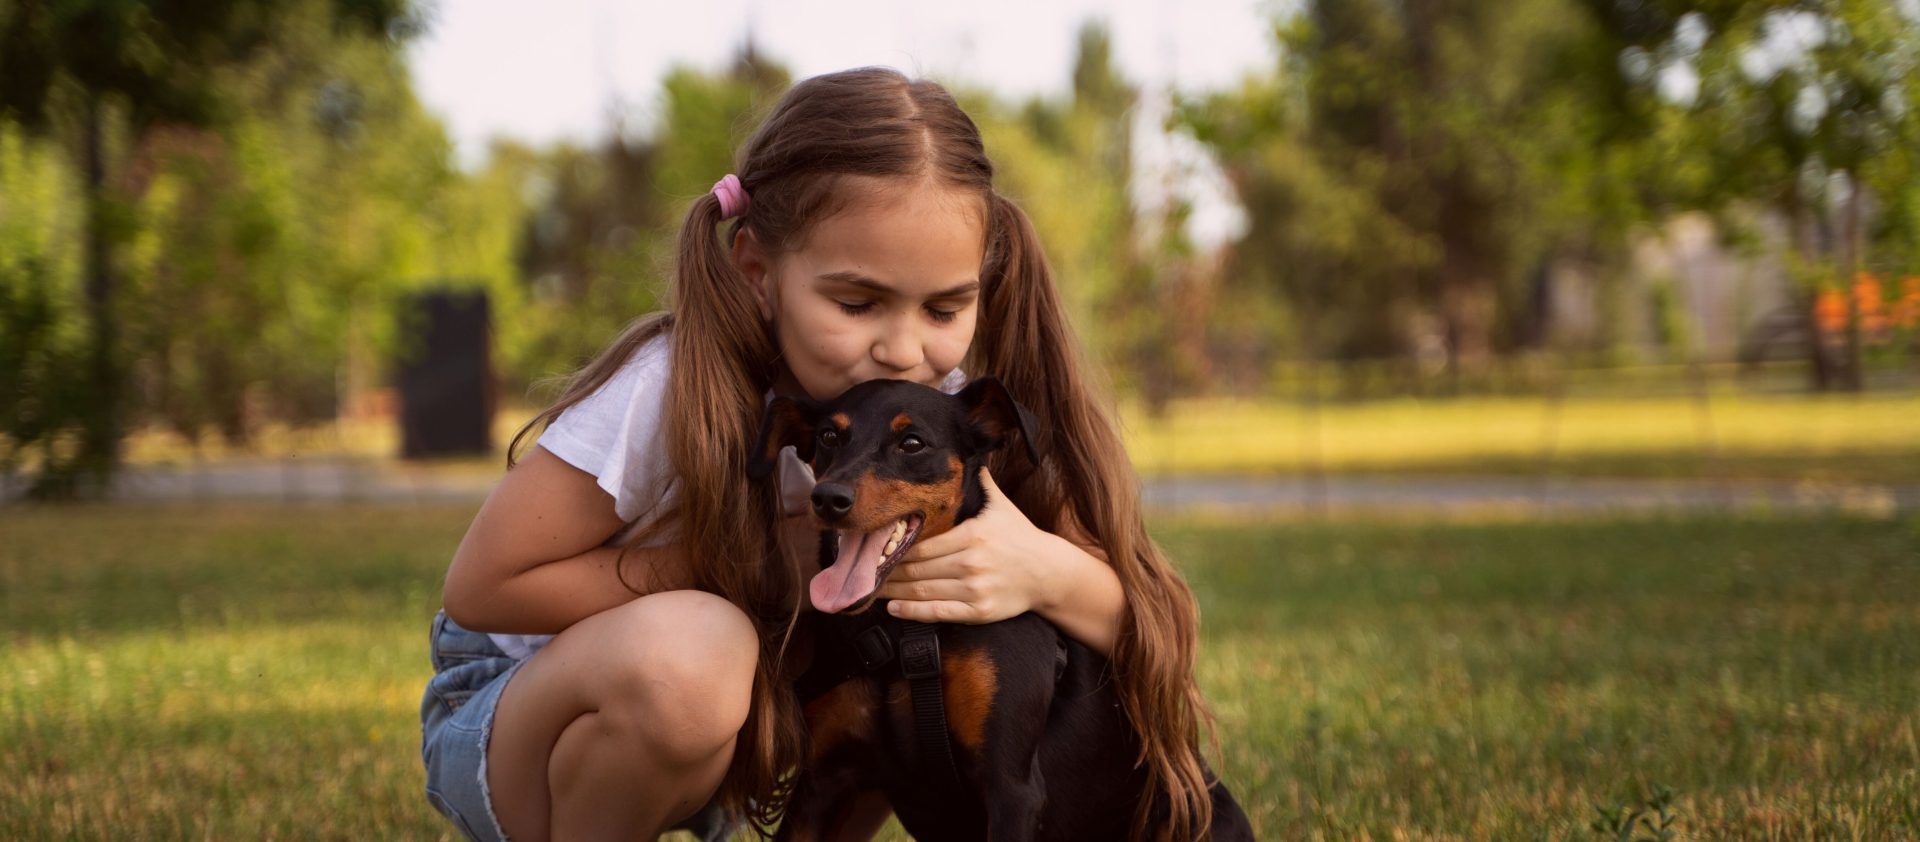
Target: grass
(1743, 435)
(1857, 439)
(1495, 681)
(251, 672)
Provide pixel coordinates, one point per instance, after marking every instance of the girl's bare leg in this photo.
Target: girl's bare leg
(625, 723)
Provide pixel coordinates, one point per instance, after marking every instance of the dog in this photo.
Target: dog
(1003, 731)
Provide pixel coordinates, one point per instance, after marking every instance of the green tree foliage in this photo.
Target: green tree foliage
(598, 240)
(274, 241)
(1805, 108)
(1406, 169)
(42, 344)
(100, 77)
(1069, 166)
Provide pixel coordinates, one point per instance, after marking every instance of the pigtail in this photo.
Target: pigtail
(1024, 339)
(713, 395)
(719, 349)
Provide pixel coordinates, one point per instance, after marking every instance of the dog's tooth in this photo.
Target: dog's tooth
(898, 536)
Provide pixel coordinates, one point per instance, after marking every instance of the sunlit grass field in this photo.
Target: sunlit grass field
(1872, 439)
(253, 672)
(1864, 439)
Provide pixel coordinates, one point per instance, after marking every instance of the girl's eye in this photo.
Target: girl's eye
(829, 438)
(912, 444)
(942, 316)
(854, 309)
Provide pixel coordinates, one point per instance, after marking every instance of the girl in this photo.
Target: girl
(630, 574)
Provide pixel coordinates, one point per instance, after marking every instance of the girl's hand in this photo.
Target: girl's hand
(990, 567)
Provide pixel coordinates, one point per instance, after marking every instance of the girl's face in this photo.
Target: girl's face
(886, 289)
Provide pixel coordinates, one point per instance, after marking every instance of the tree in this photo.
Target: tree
(271, 246)
(1405, 170)
(1068, 164)
(1803, 106)
(101, 75)
(597, 240)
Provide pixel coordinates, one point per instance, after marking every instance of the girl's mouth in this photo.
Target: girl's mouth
(861, 564)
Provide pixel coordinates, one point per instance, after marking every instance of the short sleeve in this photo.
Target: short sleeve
(618, 433)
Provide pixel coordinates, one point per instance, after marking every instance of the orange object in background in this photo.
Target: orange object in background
(1877, 314)
(1830, 312)
(1905, 312)
(1870, 305)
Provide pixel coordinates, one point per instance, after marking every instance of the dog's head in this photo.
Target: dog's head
(894, 462)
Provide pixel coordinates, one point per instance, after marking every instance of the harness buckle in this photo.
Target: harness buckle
(873, 647)
(919, 656)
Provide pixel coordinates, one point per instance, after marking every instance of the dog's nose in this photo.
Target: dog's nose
(832, 501)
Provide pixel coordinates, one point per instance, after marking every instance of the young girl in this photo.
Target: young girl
(631, 577)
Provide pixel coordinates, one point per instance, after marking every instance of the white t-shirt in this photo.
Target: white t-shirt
(618, 434)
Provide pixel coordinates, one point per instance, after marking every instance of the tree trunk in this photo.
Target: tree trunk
(1852, 378)
(99, 453)
(1466, 302)
(1820, 366)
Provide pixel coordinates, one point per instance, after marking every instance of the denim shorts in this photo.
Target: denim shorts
(456, 718)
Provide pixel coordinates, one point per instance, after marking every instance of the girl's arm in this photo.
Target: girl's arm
(999, 565)
(533, 560)
(1082, 594)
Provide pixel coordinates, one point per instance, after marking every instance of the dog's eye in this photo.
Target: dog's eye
(829, 438)
(912, 444)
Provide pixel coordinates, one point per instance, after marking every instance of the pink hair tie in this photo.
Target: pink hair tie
(732, 196)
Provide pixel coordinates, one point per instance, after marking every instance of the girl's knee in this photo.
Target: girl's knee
(678, 672)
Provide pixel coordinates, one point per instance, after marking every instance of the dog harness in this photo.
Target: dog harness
(872, 641)
(875, 640)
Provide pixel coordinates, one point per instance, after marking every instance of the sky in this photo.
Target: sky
(561, 68)
(576, 69)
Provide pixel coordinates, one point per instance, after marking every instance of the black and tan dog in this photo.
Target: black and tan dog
(1014, 731)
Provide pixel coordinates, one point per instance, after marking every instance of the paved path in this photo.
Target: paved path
(338, 480)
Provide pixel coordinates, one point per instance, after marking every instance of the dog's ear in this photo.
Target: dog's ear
(787, 422)
(999, 417)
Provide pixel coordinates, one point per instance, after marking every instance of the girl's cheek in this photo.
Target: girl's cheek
(961, 338)
(949, 353)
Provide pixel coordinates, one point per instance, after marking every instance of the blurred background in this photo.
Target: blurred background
(222, 227)
(1531, 388)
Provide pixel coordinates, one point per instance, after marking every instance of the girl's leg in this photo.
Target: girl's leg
(625, 723)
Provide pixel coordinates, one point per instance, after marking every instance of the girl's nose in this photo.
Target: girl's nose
(898, 349)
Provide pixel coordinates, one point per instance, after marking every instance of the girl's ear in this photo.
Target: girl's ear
(753, 263)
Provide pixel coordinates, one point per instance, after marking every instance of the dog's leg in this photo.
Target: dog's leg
(1013, 804)
(1010, 778)
(829, 786)
(821, 807)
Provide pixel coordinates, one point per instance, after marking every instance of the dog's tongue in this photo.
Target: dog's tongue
(852, 575)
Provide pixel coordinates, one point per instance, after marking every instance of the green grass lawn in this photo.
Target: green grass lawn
(253, 672)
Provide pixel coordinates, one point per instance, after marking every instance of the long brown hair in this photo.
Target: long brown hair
(811, 157)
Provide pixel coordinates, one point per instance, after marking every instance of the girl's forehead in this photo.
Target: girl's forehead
(902, 237)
